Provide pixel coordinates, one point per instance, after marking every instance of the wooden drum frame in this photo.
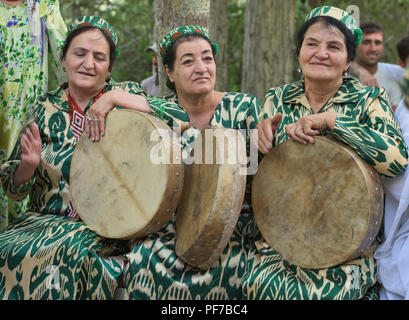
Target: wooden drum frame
(318, 205)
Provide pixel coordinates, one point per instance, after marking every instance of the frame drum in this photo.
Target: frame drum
(318, 205)
(212, 198)
(117, 187)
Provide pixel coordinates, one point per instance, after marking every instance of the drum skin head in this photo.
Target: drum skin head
(318, 205)
(211, 202)
(116, 188)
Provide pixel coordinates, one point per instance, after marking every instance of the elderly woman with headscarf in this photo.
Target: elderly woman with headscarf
(359, 116)
(49, 253)
(155, 271)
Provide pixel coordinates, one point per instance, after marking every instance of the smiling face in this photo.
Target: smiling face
(87, 62)
(194, 70)
(371, 49)
(323, 55)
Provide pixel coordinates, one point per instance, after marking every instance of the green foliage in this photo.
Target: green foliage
(237, 19)
(133, 20)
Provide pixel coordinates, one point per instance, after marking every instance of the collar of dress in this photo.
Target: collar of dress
(346, 94)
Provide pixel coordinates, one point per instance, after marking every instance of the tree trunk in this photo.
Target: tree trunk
(218, 31)
(170, 14)
(269, 45)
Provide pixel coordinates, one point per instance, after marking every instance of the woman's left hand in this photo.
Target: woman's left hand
(306, 128)
(95, 124)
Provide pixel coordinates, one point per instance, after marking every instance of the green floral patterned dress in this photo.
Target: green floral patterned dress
(366, 123)
(29, 41)
(156, 272)
(47, 254)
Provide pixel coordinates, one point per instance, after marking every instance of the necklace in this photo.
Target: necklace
(77, 115)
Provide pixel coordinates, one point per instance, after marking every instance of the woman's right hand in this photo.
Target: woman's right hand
(30, 154)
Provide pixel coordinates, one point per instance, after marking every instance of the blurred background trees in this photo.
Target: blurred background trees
(253, 57)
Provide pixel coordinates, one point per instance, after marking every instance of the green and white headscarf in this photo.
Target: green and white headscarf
(177, 33)
(91, 21)
(340, 15)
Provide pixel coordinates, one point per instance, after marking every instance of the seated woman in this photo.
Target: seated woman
(392, 256)
(358, 116)
(49, 253)
(155, 271)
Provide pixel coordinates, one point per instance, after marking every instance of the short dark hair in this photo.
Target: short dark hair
(77, 32)
(169, 57)
(403, 48)
(350, 40)
(371, 27)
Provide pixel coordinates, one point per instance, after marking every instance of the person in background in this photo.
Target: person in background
(392, 256)
(32, 33)
(369, 54)
(359, 116)
(396, 70)
(403, 52)
(151, 85)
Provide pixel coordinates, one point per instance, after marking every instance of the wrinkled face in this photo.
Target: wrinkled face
(87, 61)
(371, 49)
(323, 55)
(194, 69)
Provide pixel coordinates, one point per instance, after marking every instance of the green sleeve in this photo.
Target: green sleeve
(8, 168)
(376, 137)
(167, 110)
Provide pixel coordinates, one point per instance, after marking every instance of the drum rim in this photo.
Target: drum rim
(172, 170)
(205, 262)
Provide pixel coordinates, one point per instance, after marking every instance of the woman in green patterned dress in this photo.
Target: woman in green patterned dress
(154, 270)
(357, 115)
(32, 33)
(49, 253)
